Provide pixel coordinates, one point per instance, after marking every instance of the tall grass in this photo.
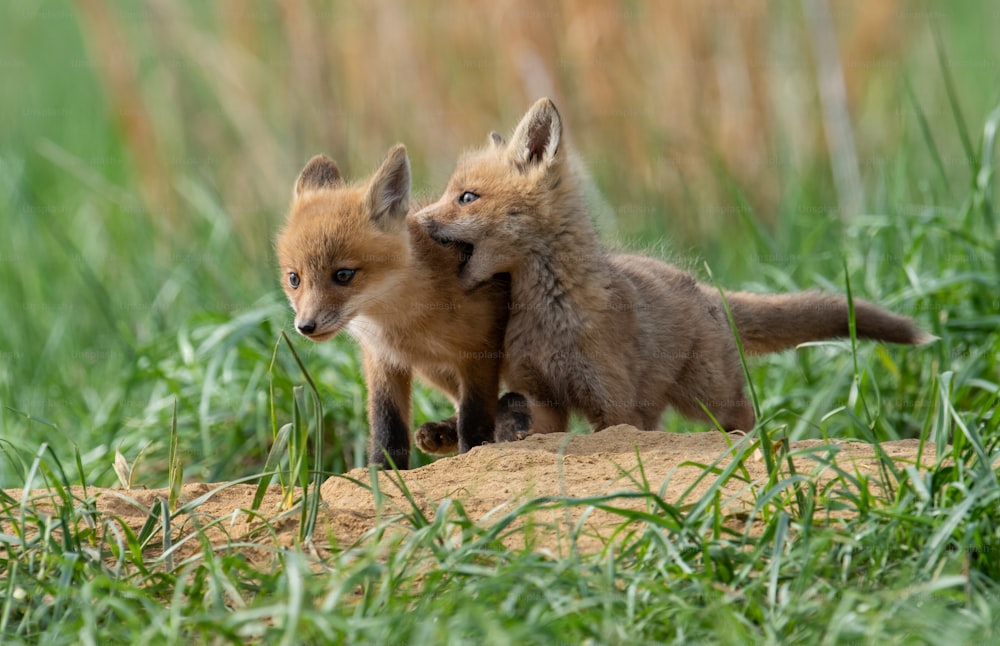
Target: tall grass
(910, 563)
(150, 162)
(148, 155)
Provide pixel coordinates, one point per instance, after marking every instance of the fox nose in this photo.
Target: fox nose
(425, 217)
(307, 326)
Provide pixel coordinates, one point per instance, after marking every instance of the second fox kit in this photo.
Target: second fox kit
(352, 257)
(617, 337)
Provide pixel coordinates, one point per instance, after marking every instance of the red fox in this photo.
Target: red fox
(617, 337)
(352, 257)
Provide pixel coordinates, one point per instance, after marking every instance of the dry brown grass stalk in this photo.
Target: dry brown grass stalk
(667, 102)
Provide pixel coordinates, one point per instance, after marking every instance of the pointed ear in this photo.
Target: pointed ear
(389, 188)
(536, 139)
(496, 141)
(320, 172)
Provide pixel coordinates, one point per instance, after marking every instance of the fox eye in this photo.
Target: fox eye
(293, 280)
(344, 276)
(467, 197)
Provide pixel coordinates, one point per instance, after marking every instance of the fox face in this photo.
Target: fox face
(502, 199)
(343, 245)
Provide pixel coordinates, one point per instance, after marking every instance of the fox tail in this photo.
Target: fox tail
(773, 322)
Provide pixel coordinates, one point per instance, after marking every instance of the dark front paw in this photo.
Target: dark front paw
(438, 438)
(513, 418)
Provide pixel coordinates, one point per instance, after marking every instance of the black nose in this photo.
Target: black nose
(306, 327)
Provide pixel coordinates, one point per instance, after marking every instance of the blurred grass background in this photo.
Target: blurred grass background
(149, 149)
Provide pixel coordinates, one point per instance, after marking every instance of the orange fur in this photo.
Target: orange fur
(353, 258)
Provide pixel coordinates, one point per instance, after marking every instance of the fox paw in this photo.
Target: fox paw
(438, 438)
(507, 434)
(513, 419)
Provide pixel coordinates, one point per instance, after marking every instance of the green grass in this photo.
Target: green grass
(152, 326)
(912, 566)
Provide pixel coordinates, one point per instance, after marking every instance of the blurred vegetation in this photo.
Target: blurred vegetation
(149, 149)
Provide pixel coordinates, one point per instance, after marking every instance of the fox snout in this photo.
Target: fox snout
(305, 326)
(316, 320)
(444, 234)
(316, 329)
(434, 228)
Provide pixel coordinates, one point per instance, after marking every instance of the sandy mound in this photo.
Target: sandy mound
(491, 481)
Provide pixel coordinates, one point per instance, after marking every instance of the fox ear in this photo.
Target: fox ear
(536, 139)
(320, 172)
(389, 189)
(496, 141)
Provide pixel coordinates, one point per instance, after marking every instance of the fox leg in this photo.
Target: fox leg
(477, 408)
(603, 410)
(733, 410)
(737, 415)
(513, 423)
(440, 438)
(388, 412)
(730, 407)
(546, 412)
(609, 399)
(547, 416)
(513, 418)
(605, 419)
(476, 389)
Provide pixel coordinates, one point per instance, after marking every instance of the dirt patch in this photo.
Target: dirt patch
(490, 482)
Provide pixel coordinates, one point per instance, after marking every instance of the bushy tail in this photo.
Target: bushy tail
(772, 322)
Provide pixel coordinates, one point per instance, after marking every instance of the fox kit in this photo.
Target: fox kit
(617, 337)
(352, 257)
